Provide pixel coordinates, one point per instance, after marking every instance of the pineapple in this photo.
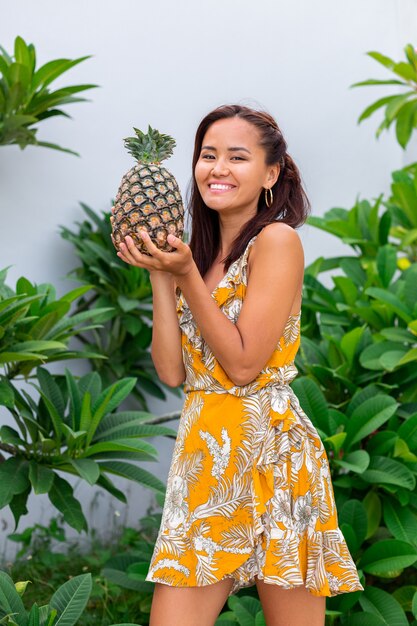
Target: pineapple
(148, 197)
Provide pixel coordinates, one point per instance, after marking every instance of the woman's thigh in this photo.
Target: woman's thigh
(290, 607)
(188, 606)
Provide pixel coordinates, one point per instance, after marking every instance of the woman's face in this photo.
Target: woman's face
(231, 171)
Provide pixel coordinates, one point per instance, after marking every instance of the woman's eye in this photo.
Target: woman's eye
(207, 156)
(238, 157)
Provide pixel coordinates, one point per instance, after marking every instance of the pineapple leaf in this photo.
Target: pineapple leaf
(150, 147)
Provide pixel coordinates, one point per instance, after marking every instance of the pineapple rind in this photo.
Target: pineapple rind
(148, 198)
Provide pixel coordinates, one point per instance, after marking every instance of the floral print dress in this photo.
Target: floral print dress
(249, 491)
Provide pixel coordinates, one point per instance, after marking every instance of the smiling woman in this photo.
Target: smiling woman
(249, 496)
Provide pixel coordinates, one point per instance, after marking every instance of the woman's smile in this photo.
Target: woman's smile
(220, 188)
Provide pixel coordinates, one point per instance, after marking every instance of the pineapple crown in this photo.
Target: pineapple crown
(150, 147)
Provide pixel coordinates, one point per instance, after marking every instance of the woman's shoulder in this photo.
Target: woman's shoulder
(276, 238)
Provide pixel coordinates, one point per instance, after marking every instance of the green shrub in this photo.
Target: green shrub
(401, 108)
(65, 608)
(126, 292)
(73, 429)
(358, 384)
(25, 96)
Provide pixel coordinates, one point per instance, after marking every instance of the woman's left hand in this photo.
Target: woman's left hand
(178, 263)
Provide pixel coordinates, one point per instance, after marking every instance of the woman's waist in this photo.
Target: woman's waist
(268, 377)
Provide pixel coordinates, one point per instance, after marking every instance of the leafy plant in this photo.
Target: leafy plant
(358, 385)
(48, 558)
(64, 609)
(25, 96)
(244, 611)
(36, 328)
(399, 108)
(126, 292)
(73, 429)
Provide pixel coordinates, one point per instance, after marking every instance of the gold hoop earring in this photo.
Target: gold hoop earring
(269, 200)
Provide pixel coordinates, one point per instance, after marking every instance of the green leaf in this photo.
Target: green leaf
(373, 356)
(61, 496)
(38, 346)
(133, 472)
(408, 431)
(108, 400)
(406, 122)
(391, 300)
(354, 513)
(85, 415)
(13, 479)
(10, 601)
(386, 556)
(374, 107)
(75, 400)
(397, 335)
(384, 605)
(356, 461)
(34, 616)
(51, 70)
(350, 341)
(87, 469)
(386, 260)
(18, 505)
(364, 619)
(313, 401)
(404, 595)
(41, 477)
(118, 392)
(123, 445)
(245, 608)
(400, 521)
(51, 390)
(106, 484)
(369, 416)
(6, 394)
(389, 472)
(76, 293)
(10, 435)
(381, 58)
(411, 355)
(71, 599)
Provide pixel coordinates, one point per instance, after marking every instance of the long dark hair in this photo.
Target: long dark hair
(290, 205)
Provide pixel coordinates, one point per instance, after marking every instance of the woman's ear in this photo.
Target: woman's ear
(273, 174)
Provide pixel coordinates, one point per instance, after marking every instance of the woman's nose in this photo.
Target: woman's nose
(220, 168)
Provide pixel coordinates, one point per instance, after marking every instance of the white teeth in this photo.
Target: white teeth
(221, 187)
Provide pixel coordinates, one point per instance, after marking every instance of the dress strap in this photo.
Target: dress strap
(244, 260)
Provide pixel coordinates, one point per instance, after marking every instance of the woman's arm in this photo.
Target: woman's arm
(166, 349)
(276, 276)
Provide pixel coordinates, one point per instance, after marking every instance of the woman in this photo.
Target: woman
(249, 495)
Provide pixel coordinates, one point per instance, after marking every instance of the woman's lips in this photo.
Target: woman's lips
(218, 188)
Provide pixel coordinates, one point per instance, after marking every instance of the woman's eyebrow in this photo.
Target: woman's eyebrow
(234, 149)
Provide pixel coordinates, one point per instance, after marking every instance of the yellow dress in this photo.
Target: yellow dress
(249, 491)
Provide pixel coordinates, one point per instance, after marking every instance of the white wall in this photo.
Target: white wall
(169, 63)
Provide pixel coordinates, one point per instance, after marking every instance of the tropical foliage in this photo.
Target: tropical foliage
(74, 428)
(359, 386)
(26, 98)
(126, 292)
(399, 108)
(36, 328)
(65, 607)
